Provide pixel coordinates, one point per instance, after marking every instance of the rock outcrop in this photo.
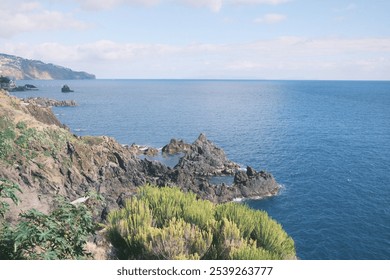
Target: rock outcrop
(47, 102)
(204, 160)
(176, 146)
(46, 160)
(66, 89)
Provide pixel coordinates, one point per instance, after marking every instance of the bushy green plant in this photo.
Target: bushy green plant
(167, 203)
(179, 240)
(8, 189)
(129, 228)
(62, 234)
(166, 223)
(257, 225)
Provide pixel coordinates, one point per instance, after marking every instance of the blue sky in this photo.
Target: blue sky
(212, 39)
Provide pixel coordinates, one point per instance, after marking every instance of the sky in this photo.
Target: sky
(203, 39)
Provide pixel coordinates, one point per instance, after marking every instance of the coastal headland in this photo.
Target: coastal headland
(46, 159)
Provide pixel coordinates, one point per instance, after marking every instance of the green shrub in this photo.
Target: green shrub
(21, 125)
(179, 240)
(62, 234)
(165, 223)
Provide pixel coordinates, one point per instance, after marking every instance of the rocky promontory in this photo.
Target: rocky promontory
(48, 102)
(45, 159)
(26, 69)
(204, 160)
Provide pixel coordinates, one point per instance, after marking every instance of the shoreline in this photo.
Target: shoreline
(81, 163)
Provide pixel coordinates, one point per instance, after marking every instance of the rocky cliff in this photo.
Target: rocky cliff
(45, 159)
(25, 69)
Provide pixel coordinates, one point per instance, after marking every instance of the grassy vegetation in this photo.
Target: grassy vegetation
(18, 142)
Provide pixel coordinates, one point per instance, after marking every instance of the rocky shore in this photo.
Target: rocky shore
(47, 102)
(53, 161)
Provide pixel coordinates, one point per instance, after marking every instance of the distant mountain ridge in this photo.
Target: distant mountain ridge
(25, 69)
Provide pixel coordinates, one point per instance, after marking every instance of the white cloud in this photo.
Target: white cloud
(214, 5)
(109, 4)
(281, 58)
(31, 16)
(271, 18)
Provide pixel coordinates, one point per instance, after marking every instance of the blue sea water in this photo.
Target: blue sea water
(326, 142)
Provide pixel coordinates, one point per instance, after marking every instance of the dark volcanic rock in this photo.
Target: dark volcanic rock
(176, 146)
(26, 87)
(206, 159)
(66, 88)
(253, 184)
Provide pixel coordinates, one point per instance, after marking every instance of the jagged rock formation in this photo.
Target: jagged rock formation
(205, 160)
(47, 102)
(45, 159)
(25, 69)
(176, 146)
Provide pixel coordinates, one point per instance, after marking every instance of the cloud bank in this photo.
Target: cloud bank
(281, 58)
(25, 16)
(214, 5)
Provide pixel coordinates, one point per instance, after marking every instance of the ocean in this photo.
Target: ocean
(326, 142)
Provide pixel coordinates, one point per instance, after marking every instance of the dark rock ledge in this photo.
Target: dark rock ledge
(203, 160)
